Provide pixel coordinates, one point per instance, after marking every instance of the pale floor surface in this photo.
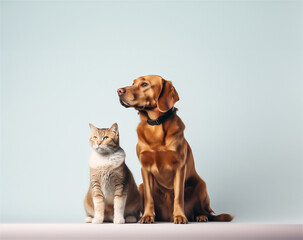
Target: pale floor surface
(212, 231)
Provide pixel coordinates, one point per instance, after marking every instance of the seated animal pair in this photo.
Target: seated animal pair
(172, 190)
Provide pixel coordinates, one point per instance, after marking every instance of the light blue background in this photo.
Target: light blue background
(237, 67)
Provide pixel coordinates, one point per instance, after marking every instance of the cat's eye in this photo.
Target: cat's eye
(94, 137)
(144, 84)
(106, 137)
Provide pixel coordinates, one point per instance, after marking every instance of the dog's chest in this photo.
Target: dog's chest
(161, 164)
(152, 136)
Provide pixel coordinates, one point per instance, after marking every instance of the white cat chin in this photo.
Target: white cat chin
(102, 149)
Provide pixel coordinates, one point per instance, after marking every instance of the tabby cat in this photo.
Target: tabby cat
(113, 194)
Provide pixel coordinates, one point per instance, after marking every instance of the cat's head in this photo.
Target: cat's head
(104, 139)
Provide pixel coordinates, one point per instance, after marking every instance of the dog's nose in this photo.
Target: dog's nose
(121, 91)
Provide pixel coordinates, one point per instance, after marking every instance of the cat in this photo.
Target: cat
(113, 194)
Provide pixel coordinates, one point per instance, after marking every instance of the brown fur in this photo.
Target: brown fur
(171, 190)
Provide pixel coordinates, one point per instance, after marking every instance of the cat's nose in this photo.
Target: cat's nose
(121, 91)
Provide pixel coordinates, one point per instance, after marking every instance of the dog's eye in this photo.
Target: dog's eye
(144, 84)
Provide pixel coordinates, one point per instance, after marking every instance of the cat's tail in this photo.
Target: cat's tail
(131, 219)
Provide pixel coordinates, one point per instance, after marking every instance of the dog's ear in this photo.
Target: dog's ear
(168, 97)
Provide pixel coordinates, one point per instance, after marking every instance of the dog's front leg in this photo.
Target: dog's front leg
(179, 179)
(149, 212)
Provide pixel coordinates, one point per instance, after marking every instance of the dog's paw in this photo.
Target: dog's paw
(119, 220)
(147, 219)
(201, 218)
(97, 220)
(180, 219)
(88, 219)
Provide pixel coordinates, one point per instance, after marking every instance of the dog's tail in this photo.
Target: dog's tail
(212, 217)
(224, 217)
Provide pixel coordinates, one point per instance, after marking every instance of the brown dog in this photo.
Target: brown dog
(172, 190)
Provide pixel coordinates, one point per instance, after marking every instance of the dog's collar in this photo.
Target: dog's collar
(161, 119)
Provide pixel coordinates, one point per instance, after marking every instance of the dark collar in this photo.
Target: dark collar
(161, 119)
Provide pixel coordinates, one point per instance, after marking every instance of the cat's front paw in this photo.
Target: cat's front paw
(119, 220)
(97, 220)
(88, 219)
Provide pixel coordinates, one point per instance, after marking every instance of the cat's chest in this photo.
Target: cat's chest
(104, 181)
(98, 161)
(106, 161)
(104, 170)
(107, 184)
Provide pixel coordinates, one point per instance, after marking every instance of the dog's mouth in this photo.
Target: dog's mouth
(125, 104)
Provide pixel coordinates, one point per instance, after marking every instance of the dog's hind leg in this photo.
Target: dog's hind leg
(141, 193)
(207, 214)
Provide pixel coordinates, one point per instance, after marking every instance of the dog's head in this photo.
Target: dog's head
(149, 92)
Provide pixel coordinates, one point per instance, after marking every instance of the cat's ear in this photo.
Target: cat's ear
(114, 128)
(92, 127)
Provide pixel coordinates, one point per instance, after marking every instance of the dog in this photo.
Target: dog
(171, 190)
